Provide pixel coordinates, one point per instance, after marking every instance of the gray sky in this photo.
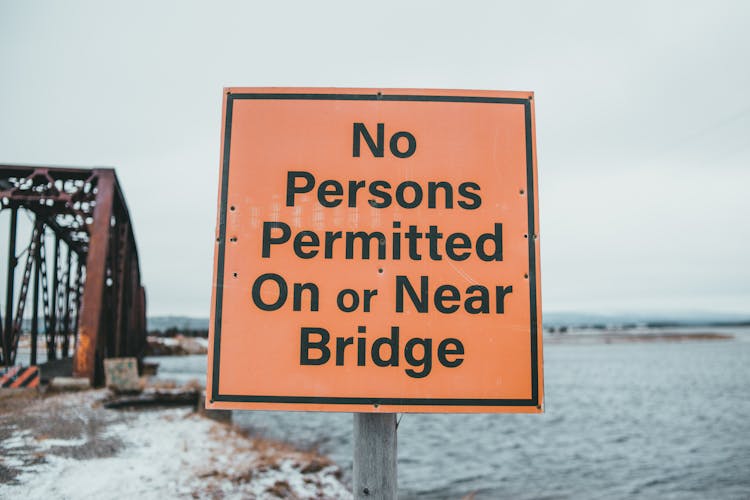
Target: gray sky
(643, 122)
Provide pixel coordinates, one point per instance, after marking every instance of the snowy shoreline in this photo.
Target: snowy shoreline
(69, 446)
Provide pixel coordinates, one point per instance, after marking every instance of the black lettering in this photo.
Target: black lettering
(500, 293)
(367, 302)
(376, 190)
(281, 295)
(483, 300)
(432, 188)
(497, 238)
(361, 344)
(268, 240)
(425, 361)
(420, 302)
(392, 343)
(292, 188)
(313, 292)
(330, 188)
(444, 352)
(434, 236)
(300, 244)
(475, 201)
(378, 149)
(446, 293)
(331, 236)
(354, 186)
(451, 244)
(347, 292)
(365, 239)
(412, 235)
(341, 344)
(306, 345)
(401, 200)
(410, 147)
(396, 241)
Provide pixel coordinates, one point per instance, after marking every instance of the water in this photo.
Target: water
(639, 420)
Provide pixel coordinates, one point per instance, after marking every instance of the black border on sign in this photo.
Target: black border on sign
(533, 401)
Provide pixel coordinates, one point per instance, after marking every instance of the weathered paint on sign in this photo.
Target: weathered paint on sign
(377, 250)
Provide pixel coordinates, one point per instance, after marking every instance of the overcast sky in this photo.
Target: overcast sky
(642, 109)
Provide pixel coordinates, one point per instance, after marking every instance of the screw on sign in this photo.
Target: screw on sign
(377, 252)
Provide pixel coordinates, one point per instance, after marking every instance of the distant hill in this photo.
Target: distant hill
(551, 320)
(557, 319)
(162, 323)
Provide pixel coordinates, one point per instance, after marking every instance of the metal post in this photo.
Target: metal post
(35, 308)
(375, 475)
(66, 304)
(120, 271)
(79, 272)
(7, 332)
(55, 288)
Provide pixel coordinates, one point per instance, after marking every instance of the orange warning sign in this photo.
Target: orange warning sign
(377, 251)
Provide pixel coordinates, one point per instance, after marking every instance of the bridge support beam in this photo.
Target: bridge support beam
(90, 322)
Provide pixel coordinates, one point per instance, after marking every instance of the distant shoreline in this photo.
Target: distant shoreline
(197, 326)
(620, 337)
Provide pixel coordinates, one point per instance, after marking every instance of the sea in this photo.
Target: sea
(623, 420)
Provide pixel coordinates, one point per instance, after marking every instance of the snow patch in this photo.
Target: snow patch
(171, 453)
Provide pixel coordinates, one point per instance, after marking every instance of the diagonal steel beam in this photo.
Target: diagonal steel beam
(89, 326)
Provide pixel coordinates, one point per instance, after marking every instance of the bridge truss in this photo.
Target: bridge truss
(72, 276)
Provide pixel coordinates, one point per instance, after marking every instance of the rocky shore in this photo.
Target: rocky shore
(69, 445)
(178, 345)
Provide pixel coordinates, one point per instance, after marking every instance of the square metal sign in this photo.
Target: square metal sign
(377, 250)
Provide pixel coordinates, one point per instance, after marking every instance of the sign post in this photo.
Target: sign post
(375, 473)
(377, 252)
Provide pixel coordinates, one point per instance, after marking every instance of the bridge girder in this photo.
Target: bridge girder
(96, 296)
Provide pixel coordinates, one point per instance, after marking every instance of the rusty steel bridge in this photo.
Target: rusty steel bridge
(72, 281)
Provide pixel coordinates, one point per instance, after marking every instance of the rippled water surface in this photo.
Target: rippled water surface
(638, 420)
